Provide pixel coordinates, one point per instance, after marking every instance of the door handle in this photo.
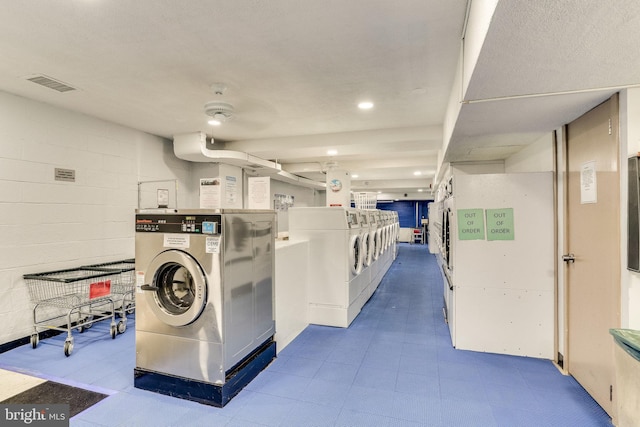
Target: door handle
(569, 258)
(149, 288)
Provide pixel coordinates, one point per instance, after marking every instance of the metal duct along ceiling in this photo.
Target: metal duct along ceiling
(193, 148)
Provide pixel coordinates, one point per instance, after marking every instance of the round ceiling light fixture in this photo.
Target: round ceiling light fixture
(219, 111)
(332, 152)
(365, 105)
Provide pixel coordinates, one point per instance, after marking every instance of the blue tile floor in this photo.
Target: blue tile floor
(393, 367)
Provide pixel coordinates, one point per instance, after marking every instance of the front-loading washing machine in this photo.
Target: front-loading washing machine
(204, 301)
(386, 256)
(367, 248)
(396, 232)
(378, 264)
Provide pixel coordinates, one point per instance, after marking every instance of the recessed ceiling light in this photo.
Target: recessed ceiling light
(332, 152)
(365, 105)
(214, 122)
(417, 173)
(354, 176)
(419, 190)
(379, 192)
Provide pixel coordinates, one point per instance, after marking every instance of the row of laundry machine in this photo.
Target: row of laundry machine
(205, 289)
(350, 250)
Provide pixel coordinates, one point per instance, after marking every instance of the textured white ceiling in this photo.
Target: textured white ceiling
(549, 46)
(543, 64)
(295, 70)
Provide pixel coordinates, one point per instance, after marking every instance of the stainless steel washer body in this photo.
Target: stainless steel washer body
(204, 284)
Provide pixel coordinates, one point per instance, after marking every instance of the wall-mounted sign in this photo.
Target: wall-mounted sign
(210, 193)
(231, 189)
(68, 175)
(470, 224)
(259, 192)
(588, 183)
(500, 224)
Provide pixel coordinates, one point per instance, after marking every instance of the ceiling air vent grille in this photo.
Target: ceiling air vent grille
(51, 83)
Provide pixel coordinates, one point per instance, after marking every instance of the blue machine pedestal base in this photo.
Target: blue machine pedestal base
(203, 392)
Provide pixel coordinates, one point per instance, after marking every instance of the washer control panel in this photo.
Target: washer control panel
(189, 224)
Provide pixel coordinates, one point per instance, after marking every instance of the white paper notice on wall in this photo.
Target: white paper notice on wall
(231, 189)
(180, 241)
(212, 245)
(259, 191)
(588, 183)
(210, 193)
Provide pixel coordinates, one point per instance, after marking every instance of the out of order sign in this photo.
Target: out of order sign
(470, 224)
(500, 224)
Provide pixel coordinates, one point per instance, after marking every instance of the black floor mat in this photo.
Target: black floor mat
(51, 393)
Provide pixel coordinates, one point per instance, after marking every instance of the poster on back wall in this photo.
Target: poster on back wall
(231, 190)
(259, 191)
(210, 192)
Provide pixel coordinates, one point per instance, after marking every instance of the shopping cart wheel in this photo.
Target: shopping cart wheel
(88, 320)
(68, 348)
(130, 308)
(122, 326)
(35, 338)
(113, 331)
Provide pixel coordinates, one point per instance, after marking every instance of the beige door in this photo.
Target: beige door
(593, 237)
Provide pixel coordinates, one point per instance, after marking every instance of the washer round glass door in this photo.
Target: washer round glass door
(366, 249)
(178, 290)
(355, 255)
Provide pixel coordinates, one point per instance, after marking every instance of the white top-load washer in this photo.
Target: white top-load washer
(336, 260)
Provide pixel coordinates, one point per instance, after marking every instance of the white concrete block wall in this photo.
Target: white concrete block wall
(50, 225)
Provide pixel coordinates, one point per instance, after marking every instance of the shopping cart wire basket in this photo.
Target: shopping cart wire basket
(83, 295)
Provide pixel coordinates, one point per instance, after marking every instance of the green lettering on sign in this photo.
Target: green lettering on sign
(470, 224)
(500, 224)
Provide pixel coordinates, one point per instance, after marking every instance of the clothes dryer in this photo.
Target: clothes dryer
(204, 303)
(335, 267)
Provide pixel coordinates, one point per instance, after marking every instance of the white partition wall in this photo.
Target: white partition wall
(503, 275)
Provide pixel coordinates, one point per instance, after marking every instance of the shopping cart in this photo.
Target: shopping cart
(123, 289)
(81, 296)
